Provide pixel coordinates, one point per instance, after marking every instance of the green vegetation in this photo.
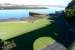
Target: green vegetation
(70, 12)
(70, 17)
(9, 30)
(42, 42)
(72, 47)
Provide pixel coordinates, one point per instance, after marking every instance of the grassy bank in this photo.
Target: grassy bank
(10, 29)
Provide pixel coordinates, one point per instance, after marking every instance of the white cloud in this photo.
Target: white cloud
(37, 2)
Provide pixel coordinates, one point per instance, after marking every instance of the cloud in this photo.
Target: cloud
(37, 2)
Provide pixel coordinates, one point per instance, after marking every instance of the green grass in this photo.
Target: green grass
(72, 47)
(42, 42)
(10, 30)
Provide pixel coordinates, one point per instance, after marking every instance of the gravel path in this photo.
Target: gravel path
(55, 46)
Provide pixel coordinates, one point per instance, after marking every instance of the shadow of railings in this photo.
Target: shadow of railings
(25, 41)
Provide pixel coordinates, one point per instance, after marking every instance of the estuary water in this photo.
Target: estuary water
(18, 13)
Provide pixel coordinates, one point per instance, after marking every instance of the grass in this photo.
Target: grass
(72, 47)
(42, 42)
(10, 30)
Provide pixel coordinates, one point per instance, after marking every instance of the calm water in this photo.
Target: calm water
(13, 13)
(18, 13)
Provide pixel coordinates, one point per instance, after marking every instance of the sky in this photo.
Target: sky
(37, 2)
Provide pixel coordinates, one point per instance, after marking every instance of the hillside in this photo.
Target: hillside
(16, 6)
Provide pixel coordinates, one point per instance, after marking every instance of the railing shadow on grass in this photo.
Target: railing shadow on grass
(25, 41)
